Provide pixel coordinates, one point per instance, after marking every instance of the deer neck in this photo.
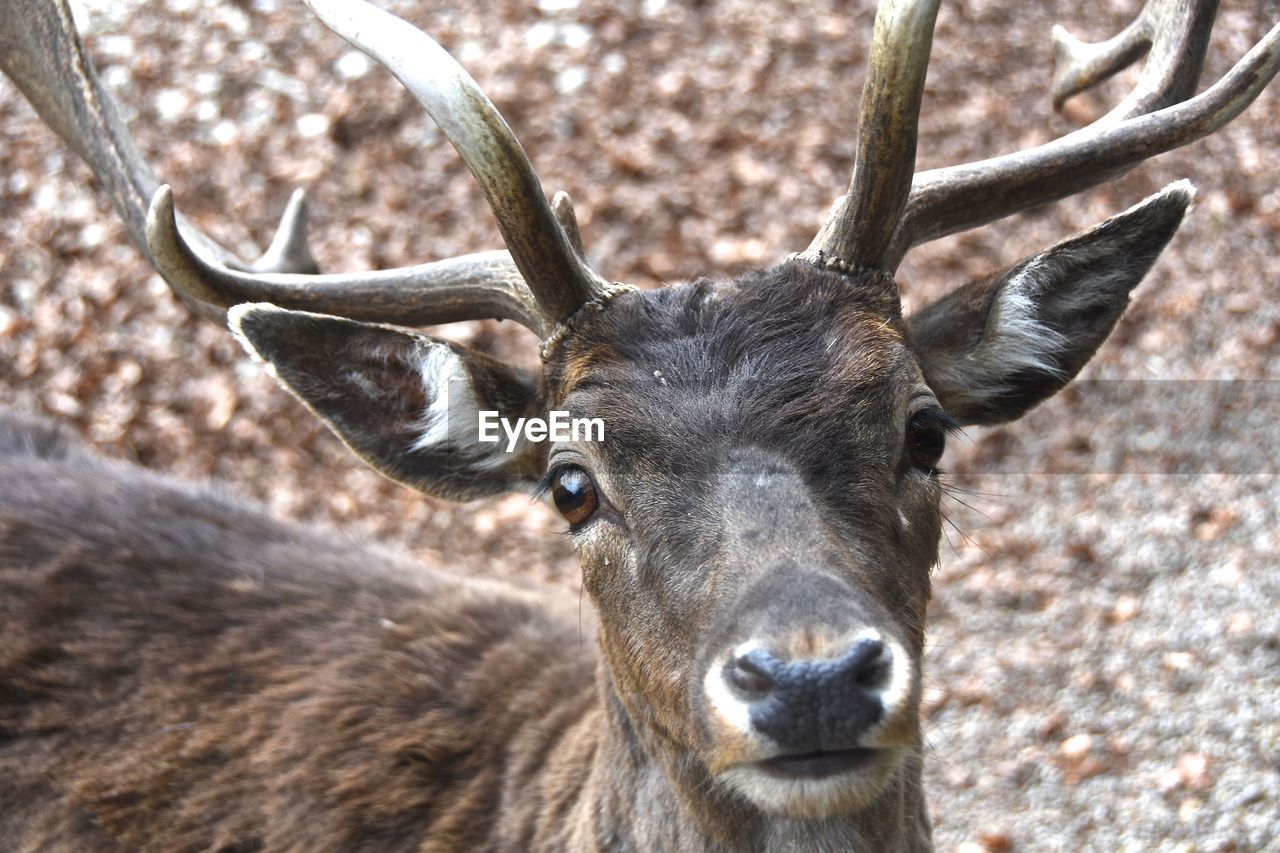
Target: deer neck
(644, 791)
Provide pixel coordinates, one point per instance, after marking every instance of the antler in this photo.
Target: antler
(558, 276)
(1156, 117)
(541, 281)
(861, 223)
(1176, 32)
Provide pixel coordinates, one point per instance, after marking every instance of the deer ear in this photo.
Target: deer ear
(993, 349)
(405, 402)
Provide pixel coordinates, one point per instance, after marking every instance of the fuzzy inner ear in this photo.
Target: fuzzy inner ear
(993, 349)
(406, 403)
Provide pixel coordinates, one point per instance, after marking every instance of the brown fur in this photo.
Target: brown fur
(199, 676)
(180, 671)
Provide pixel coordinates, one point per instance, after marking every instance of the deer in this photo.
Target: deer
(756, 527)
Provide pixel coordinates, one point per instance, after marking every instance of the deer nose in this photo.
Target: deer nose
(813, 705)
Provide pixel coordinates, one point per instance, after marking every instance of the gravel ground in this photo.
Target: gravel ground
(1105, 663)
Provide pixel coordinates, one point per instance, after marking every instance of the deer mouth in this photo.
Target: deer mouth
(818, 765)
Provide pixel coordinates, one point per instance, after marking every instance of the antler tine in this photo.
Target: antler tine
(42, 52)
(860, 226)
(1152, 120)
(559, 278)
(289, 251)
(469, 287)
(1079, 65)
(44, 56)
(1175, 31)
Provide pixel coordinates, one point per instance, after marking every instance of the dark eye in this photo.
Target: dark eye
(926, 439)
(574, 494)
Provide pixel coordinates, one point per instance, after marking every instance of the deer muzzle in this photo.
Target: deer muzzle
(811, 735)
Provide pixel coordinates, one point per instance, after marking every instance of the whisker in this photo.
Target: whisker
(965, 536)
(970, 507)
(582, 646)
(953, 486)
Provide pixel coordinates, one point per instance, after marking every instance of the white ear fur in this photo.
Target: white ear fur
(450, 420)
(996, 347)
(406, 403)
(446, 384)
(1015, 341)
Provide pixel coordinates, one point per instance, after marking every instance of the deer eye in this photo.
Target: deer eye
(574, 494)
(926, 439)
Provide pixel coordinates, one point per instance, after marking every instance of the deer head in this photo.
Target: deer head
(757, 528)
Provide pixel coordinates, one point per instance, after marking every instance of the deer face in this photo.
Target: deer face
(758, 526)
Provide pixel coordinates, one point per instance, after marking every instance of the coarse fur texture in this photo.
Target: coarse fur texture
(211, 678)
(199, 676)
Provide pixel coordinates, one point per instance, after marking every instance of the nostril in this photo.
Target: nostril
(815, 704)
(869, 663)
(749, 673)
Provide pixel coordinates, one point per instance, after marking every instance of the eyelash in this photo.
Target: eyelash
(930, 417)
(939, 417)
(543, 487)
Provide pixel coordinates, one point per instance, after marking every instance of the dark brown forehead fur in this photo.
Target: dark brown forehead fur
(792, 358)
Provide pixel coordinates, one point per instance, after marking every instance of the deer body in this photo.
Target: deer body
(756, 533)
(241, 679)
(211, 678)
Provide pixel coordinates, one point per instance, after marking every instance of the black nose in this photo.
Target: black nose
(813, 705)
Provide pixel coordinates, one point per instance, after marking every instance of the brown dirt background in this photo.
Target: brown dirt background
(1105, 643)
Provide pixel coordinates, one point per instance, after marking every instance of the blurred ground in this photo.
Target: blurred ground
(1105, 662)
